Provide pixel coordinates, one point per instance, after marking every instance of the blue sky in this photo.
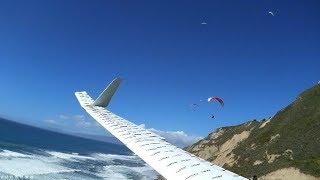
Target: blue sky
(256, 62)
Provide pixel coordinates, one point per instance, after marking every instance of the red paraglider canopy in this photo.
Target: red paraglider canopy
(217, 99)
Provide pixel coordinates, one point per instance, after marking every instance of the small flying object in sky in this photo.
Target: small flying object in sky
(270, 12)
(211, 99)
(194, 106)
(203, 23)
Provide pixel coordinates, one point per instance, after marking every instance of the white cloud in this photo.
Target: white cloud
(81, 123)
(84, 124)
(61, 116)
(50, 121)
(178, 138)
(75, 120)
(78, 117)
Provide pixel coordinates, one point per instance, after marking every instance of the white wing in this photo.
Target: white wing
(271, 13)
(168, 160)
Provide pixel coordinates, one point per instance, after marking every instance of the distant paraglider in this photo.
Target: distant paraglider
(271, 13)
(194, 106)
(217, 99)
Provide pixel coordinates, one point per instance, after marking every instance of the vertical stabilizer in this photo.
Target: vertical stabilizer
(105, 97)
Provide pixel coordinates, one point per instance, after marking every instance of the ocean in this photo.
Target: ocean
(28, 152)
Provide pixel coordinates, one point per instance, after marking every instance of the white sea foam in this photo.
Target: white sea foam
(33, 165)
(115, 157)
(11, 154)
(124, 172)
(68, 156)
(57, 165)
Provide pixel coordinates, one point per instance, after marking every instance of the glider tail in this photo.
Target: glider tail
(105, 97)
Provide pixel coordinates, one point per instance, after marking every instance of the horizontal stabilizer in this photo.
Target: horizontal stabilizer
(105, 97)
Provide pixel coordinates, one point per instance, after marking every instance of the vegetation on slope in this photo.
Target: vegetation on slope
(290, 139)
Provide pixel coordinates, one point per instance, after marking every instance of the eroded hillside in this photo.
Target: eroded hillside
(288, 143)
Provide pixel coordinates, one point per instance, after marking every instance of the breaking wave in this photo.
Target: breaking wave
(31, 153)
(62, 165)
